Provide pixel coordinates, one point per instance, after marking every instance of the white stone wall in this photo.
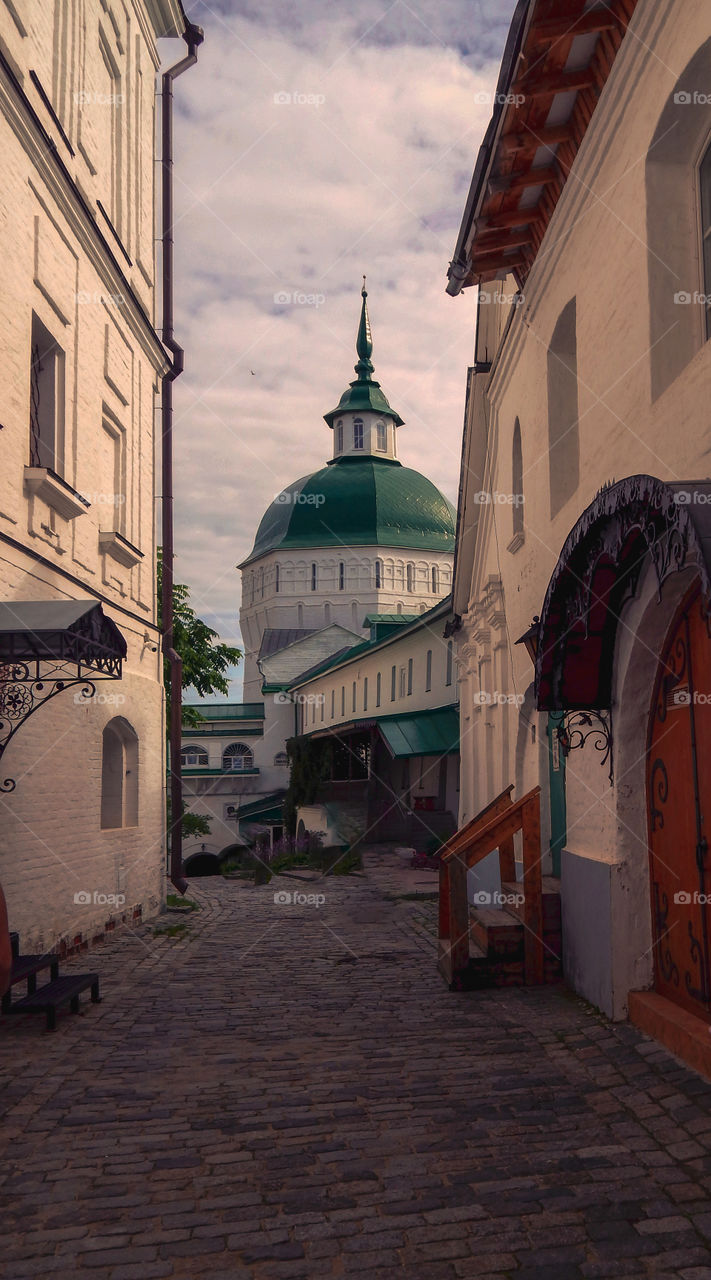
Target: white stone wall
(88, 277)
(297, 605)
(643, 407)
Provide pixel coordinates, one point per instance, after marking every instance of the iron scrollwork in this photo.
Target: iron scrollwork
(24, 687)
(578, 726)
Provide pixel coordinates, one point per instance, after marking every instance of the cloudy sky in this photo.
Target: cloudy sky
(316, 142)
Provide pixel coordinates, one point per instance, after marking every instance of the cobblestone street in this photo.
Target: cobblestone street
(289, 1090)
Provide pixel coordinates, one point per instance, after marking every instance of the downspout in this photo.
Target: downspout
(193, 37)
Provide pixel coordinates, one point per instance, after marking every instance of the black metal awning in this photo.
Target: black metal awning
(75, 632)
(597, 573)
(47, 646)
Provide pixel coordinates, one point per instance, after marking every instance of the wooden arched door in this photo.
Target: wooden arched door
(679, 810)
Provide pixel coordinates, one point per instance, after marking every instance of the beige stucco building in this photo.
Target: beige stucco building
(588, 231)
(82, 835)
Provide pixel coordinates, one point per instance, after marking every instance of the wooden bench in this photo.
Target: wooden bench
(60, 991)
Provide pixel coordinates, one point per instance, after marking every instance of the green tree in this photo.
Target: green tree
(206, 660)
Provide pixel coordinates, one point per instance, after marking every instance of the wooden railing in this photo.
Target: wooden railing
(493, 828)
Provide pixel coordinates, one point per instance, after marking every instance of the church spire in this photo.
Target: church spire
(364, 341)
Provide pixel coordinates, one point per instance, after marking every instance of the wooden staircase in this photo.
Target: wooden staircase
(516, 939)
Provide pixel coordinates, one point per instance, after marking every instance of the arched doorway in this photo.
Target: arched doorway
(679, 809)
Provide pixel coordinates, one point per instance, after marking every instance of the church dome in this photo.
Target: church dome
(358, 502)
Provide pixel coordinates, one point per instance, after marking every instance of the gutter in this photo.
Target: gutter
(193, 37)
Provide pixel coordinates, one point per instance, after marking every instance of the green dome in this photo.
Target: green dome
(358, 502)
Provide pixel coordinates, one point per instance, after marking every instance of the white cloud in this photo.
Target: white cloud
(275, 197)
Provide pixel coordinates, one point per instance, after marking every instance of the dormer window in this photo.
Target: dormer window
(357, 433)
(339, 437)
(382, 437)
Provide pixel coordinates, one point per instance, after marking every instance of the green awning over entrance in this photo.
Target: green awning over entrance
(266, 809)
(422, 733)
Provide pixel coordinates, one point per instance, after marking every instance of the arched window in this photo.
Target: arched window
(281, 759)
(517, 480)
(237, 758)
(378, 686)
(333, 703)
(450, 662)
(314, 577)
(428, 671)
(193, 757)
(276, 578)
(563, 442)
(341, 576)
(409, 676)
(357, 433)
(119, 775)
(365, 693)
(410, 577)
(339, 437)
(354, 695)
(382, 437)
(435, 579)
(378, 575)
(343, 699)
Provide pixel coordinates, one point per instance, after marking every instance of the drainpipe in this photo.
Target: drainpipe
(193, 37)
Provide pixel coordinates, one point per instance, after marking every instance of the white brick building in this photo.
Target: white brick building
(82, 364)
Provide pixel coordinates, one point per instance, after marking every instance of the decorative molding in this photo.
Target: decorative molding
(45, 484)
(114, 544)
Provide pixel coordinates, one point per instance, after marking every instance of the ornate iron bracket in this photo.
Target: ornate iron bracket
(578, 726)
(24, 687)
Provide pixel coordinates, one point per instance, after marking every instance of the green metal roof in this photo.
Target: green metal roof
(399, 618)
(358, 502)
(438, 610)
(364, 393)
(229, 710)
(267, 808)
(421, 733)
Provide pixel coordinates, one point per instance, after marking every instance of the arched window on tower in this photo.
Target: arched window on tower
(339, 437)
(276, 578)
(357, 433)
(410, 576)
(382, 437)
(435, 579)
(119, 775)
(378, 575)
(314, 577)
(341, 576)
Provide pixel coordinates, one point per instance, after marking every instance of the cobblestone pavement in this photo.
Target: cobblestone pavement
(288, 1090)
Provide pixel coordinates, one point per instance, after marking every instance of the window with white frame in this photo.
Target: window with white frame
(339, 437)
(119, 775)
(237, 758)
(193, 757)
(382, 437)
(357, 433)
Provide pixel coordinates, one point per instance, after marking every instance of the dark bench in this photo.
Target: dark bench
(28, 967)
(47, 999)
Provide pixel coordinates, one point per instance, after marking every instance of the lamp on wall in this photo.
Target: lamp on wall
(530, 639)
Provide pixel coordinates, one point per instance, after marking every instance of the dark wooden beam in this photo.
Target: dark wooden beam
(491, 240)
(530, 141)
(497, 262)
(508, 218)
(537, 85)
(599, 18)
(516, 181)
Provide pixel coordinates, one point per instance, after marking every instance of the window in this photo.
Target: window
(563, 443)
(46, 398)
(343, 699)
(705, 180)
(119, 775)
(322, 700)
(517, 479)
(378, 683)
(193, 757)
(341, 576)
(261, 581)
(393, 678)
(435, 580)
(339, 437)
(450, 660)
(409, 676)
(357, 433)
(314, 577)
(378, 575)
(276, 579)
(410, 577)
(281, 760)
(382, 437)
(354, 695)
(365, 694)
(237, 758)
(403, 681)
(428, 671)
